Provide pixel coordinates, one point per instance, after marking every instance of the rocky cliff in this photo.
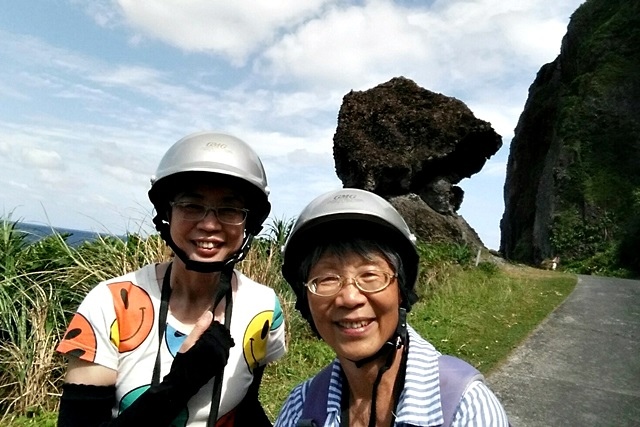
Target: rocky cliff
(573, 175)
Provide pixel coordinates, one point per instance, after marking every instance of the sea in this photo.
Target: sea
(35, 232)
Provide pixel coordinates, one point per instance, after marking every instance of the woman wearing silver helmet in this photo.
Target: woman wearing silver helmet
(352, 263)
(158, 346)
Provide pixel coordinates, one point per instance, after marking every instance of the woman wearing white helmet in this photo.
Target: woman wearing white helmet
(352, 263)
(158, 346)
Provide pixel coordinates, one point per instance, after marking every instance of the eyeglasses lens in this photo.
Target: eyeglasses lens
(368, 281)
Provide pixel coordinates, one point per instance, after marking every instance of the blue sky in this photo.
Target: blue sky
(93, 92)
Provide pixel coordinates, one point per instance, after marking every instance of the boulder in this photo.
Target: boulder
(412, 146)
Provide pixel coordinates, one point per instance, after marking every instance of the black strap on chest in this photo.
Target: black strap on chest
(224, 291)
(397, 389)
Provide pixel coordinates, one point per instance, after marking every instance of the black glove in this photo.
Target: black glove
(83, 405)
(207, 358)
(161, 403)
(190, 370)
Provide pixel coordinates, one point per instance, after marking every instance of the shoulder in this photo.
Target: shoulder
(248, 283)
(479, 405)
(141, 285)
(325, 389)
(423, 356)
(420, 344)
(259, 319)
(252, 292)
(291, 410)
(144, 277)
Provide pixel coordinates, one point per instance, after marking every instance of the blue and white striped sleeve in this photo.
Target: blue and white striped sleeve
(292, 408)
(479, 407)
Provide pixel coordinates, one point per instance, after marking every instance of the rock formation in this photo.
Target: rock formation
(573, 175)
(412, 146)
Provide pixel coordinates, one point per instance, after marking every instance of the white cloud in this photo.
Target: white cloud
(101, 11)
(132, 76)
(21, 186)
(42, 159)
(272, 73)
(354, 47)
(230, 28)
(495, 167)
(453, 47)
(5, 149)
(55, 179)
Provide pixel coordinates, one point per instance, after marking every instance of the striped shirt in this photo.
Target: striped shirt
(419, 403)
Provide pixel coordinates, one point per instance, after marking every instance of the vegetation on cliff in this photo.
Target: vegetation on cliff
(582, 129)
(598, 211)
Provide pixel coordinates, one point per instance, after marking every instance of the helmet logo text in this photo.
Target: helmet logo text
(216, 146)
(345, 197)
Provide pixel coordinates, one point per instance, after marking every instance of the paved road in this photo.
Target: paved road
(581, 366)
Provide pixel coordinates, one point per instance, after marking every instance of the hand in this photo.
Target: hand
(203, 355)
(201, 326)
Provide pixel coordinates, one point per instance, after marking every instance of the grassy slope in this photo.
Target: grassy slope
(479, 314)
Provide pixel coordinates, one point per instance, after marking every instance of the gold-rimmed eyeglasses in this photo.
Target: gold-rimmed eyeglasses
(191, 211)
(368, 281)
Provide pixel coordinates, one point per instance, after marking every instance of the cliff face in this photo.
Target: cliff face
(573, 175)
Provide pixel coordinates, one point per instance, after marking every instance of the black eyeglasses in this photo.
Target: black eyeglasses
(368, 282)
(191, 211)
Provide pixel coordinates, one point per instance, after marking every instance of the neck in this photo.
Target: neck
(192, 293)
(360, 388)
(361, 379)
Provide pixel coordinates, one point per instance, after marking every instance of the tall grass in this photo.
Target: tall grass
(32, 310)
(478, 312)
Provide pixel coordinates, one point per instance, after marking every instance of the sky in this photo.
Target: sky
(93, 92)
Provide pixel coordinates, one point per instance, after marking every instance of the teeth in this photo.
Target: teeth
(206, 245)
(354, 325)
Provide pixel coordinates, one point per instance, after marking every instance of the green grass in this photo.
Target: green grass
(479, 313)
(482, 316)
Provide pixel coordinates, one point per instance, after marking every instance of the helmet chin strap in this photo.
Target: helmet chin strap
(397, 340)
(201, 266)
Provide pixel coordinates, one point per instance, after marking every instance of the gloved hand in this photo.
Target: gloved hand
(194, 365)
(193, 368)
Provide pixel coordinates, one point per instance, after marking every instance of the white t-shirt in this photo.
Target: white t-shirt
(116, 326)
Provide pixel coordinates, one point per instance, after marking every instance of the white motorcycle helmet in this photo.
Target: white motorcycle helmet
(349, 210)
(219, 159)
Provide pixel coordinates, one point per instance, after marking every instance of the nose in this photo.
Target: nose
(349, 294)
(210, 219)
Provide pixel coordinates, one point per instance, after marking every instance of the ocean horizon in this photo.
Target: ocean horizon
(35, 232)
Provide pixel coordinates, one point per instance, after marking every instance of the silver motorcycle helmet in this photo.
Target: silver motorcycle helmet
(348, 211)
(218, 159)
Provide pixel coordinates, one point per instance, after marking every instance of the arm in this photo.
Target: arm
(203, 355)
(88, 394)
(82, 372)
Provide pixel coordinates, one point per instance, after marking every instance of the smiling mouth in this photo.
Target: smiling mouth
(354, 325)
(206, 245)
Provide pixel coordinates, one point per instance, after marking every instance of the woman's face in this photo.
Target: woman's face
(354, 323)
(208, 239)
